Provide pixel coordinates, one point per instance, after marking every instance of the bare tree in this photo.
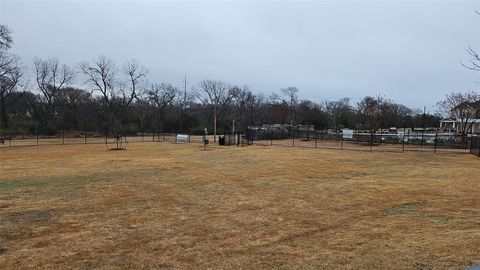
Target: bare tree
(162, 95)
(290, 97)
(72, 99)
(244, 102)
(462, 107)
(117, 93)
(370, 112)
(10, 75)
(135, 82)
(474, 62)
(213, 94)
(101, 75)
(5, 37)
(51, 78)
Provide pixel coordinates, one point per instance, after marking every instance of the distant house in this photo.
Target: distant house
(467, 113)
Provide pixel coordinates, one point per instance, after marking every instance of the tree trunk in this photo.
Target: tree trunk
(215, 124)
(3, 114)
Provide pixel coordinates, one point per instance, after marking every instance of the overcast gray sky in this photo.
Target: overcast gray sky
(409, 51)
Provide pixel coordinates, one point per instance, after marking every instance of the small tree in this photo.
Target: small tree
(462, 107)
(290, 97)
(117, 93)
(51, 78)
(370, 113)
(162, 95)
(213, 94)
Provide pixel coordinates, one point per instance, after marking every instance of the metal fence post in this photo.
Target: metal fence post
(316, 138)
(403, 141)
(408, 137)
(436, 142)
(271, 137)
(371, 141)
(63, 137)
(381, 135)
(10, 141)
(341, 144)
(153, 136)
(421, 143)
(293, 136)
(85, 137)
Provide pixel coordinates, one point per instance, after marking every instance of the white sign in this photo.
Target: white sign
(347, 133)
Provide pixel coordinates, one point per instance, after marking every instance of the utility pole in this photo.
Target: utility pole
(423, 130)
(183, 102)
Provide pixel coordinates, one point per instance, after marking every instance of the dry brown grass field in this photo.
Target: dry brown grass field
(168, 206)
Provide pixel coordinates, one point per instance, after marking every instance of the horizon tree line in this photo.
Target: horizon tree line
(121, 100)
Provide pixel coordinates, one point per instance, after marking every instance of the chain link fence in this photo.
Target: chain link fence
(382, 140)
(400, 141)
(475, 145)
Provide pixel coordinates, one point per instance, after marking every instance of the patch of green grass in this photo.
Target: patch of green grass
(415, 209)
(439, 218)
(175, 181)
(405, 209)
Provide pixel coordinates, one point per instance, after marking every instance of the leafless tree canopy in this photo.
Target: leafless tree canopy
(51, 77)
(474, 62)
(136, 74)
(163, 94)
(101, 76)
(370, 111)
(213, 94)
(5, 37)
(10, 74)
(290, 97)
